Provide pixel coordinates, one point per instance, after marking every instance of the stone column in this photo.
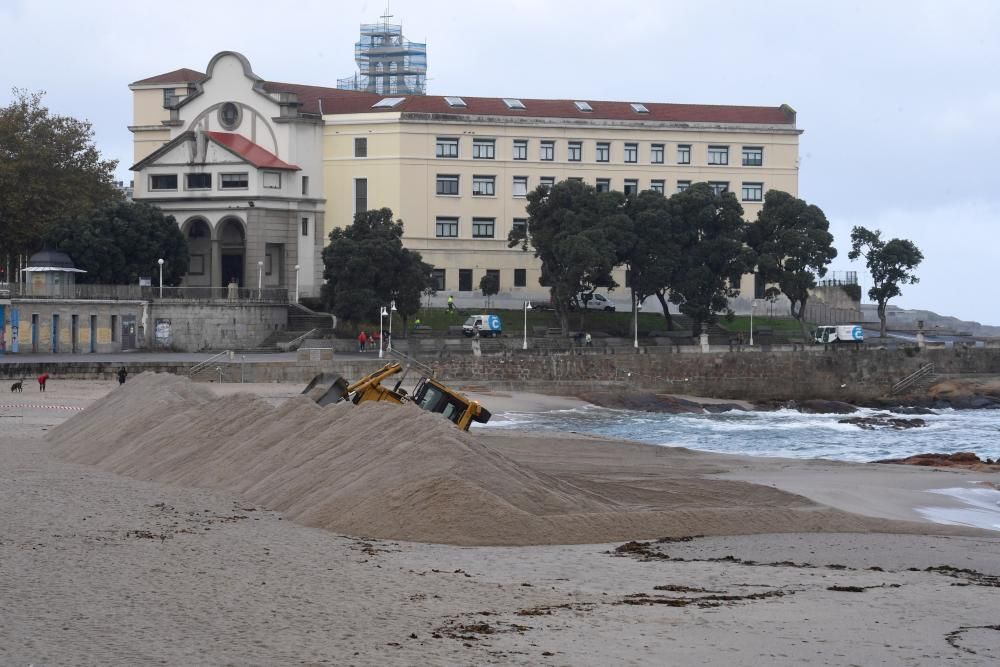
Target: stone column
(704, 342)
(216, 261)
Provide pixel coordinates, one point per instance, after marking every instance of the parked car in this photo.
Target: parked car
(592, 301)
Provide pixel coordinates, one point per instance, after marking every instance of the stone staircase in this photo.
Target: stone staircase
(301, 320)
(918, 380)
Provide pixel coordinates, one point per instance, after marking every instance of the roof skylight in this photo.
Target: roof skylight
(583, 106)
(639, 108)
(387, 102)
(513, 104)
(455, 101)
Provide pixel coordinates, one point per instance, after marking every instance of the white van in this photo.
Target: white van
(486, 325)
(593, 301)
(841, 333)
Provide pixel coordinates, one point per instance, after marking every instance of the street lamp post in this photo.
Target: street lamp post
(160, 262)
(753, 304)
(527, 307)
(381, 316)
(636, 307)
(296, 283)
(392, 309)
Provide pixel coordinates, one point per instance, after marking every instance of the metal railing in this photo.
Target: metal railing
(913, 378)
(197, 368)
(146, 293)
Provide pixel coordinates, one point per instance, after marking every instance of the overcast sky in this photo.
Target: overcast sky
(900, 101)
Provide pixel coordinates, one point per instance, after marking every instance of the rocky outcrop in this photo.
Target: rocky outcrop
(964, 460)
(884, 421)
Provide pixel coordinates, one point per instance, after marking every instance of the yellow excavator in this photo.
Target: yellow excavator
(429, 395)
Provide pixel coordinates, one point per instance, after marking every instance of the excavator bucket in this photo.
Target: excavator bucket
(327, 388)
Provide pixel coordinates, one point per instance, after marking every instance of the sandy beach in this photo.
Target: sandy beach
(729, 560)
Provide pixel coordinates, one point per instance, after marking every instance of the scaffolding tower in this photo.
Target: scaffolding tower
(388, 63)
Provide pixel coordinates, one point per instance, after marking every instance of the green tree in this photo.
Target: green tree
(49, 171)
(489, 284)
(567, 230)
(890, 264)
(712, 256)
(118, 243)
(367, 267)
(793, 246)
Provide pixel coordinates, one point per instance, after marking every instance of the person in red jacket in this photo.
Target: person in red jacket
(41, 381)
(362, 339)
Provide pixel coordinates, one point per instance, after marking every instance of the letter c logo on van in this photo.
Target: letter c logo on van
(857, 333)
(494, 323)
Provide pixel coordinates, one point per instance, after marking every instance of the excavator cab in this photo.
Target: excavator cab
(432, 396)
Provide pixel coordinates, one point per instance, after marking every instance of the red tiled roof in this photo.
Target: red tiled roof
(249, 151)
(183, 75)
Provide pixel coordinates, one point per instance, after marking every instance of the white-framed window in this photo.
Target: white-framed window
(603, 153)
(683, 185)
(360, 195)
(484, 186)
(484, 149)
(447, 184)
(753, 156)
(719, 187)
(718, 154)
(583, 106)
(360, 146)
(446, 228)
(438, 277)
(631, 152)
(574, 151)
(547, 151)
(753, 192)
(547, 181)
(163, 181)
(657, 186)
(604, 185)
(240, 181)
(520, 149)
(305, 226)
(683, 153)
(197, 181)
(520, 225)
(454, 102)
(446, 147)
(520, 186)
(631, 186)
(483, 228)
(305, 185)
(272, 179)
(656, 154)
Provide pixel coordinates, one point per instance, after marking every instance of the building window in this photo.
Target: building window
(465, 280)
(684, 154)
(547, 151)
(495, 273)
(520, 277)
(603, 152)
(272, 180)
(631, 152)
(447, 184)
(163, 181)
(198, 181)
(520, 186)
(169, 97)
(631, 186)
(520, 149)
(360, 146)
(657, 186)
(719, 187)
(483, 228)
(753, 192)
(446, 228)
(484, 186)
(305, 185)
(305, 226)
(483, 149)
(575, 151)
(604, 185)
(360, 195)
(438, 279)
(753, 156)
(547, 181)
(446, 147)
(234, 181)
(656, 154)
(229, 116)
(683, 185)
(718, 154)
(520, 226)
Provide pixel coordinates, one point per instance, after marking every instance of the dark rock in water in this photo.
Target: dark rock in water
(821, 407)
(884, 421)
(911, 410)
(966, 460)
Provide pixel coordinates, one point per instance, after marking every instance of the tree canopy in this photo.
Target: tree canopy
(367, 267)
(793, 246)
(118, 243)
(568, 228)
(50, 171)
(711, 254)
(489, 284)
(890, 264)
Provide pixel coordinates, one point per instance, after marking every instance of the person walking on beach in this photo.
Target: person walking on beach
(42, 379)
(122, 375)
(362, 339)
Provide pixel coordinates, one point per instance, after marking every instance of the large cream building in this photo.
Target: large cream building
(258, 171)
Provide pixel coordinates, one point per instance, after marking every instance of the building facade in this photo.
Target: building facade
(456, 170)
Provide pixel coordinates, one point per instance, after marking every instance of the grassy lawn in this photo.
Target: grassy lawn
(783, 324)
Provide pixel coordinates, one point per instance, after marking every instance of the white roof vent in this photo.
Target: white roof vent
(455, 102)
(513, 104)
(387, 102)
(639, 108)
(583, 106)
